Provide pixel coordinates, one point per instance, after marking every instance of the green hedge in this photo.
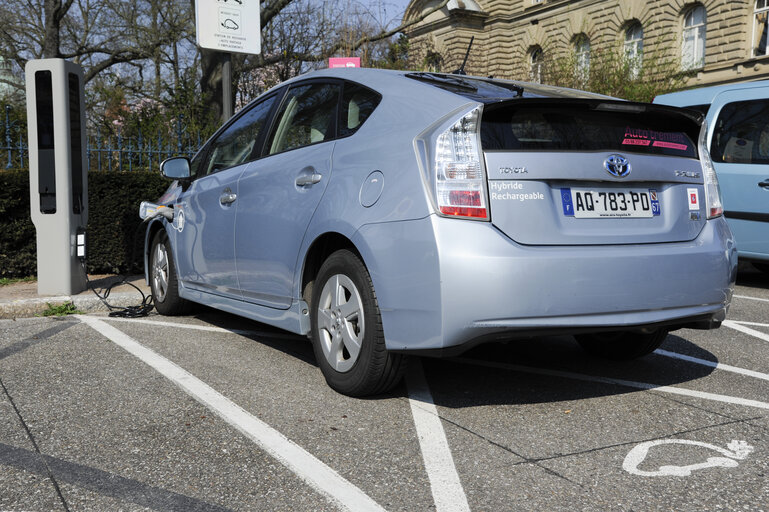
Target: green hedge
(17, 234)
(113, 219)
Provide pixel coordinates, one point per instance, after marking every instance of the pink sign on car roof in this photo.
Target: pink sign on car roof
(344, 62)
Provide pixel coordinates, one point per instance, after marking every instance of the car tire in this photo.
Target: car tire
(164, 283)
(347, 335)
(621, 345)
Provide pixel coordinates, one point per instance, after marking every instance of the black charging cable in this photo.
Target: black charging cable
(136, 311)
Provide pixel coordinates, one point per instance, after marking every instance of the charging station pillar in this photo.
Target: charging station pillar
(58, 173)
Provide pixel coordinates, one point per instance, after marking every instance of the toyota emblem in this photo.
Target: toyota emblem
(617, 165)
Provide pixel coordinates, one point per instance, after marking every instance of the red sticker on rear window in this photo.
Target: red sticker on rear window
(667, 140)
(669, 145)
(636, 142)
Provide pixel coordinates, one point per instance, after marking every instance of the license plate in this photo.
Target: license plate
(595, 203)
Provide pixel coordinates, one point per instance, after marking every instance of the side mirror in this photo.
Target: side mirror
(176, 168)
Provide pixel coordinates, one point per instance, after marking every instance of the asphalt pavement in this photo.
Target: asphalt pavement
(213, 412)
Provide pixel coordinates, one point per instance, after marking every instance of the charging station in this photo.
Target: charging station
(58, 173)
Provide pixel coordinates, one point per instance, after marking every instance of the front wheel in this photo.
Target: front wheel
(622, 345)
(347, 335)
(163, 280)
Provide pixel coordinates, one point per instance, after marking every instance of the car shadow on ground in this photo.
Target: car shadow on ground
(747, 275)
(289, 343)
(554, 369)
(514, 372)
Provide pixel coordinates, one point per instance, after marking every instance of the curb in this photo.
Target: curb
(22, 308)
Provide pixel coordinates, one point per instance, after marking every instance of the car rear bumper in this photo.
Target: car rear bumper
(452, 283)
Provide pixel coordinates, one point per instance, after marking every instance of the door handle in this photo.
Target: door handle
(764, 184)
(227, 197)
(308, 179)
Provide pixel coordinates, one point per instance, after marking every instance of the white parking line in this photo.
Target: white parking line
(750, 298)
(620, 382)
(448, 494)
(319, 476)
(206, 328)
(713, 364)
(746, 330)
(754, 324)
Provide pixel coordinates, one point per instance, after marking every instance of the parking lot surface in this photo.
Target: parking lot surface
(213, 412)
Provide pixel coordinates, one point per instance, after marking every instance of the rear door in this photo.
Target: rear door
(587, 172)
(739, 146)
(279, 193)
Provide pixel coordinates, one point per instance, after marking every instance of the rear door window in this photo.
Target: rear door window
(741, 133)
(358, 103)
(585, 127)
(306, 117)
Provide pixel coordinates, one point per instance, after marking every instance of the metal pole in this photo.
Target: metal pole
(8, 133)
(227, 87)
(179, 134)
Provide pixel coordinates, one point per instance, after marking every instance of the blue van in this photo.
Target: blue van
(737, 116)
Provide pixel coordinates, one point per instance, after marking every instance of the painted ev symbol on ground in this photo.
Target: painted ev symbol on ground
(736, 450)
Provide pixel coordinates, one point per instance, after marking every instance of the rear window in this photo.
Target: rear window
(583, 127)
(741, 134)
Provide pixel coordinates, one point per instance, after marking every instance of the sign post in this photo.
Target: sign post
(229, 26)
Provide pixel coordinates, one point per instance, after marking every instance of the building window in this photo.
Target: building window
(582, 57)
(693, 50)
(761, 28)
(634, 48)
(536, 59)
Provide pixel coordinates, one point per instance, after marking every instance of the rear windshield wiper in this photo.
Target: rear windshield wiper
(517, 89)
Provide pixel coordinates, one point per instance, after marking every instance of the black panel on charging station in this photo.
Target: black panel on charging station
(46, 162)
(76, 149)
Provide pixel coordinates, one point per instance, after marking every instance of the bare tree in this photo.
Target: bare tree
(297, 34)
(146, 47)
(97, 34)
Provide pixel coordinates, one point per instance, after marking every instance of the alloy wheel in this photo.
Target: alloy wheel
(341, 322)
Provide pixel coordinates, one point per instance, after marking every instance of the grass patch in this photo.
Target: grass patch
(5, 281)
(68, 308)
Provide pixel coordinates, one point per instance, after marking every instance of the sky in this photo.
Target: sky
(393, 8)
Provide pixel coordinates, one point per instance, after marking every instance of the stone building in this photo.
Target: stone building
(717, 41)
(7, 79)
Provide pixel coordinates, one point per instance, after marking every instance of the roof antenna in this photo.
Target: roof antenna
(461, 70)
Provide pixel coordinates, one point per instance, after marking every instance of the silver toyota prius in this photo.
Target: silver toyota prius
(385, 213)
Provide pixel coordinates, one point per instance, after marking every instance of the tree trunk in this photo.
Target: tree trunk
(154, 14)
(211, 79)
(52, 11)
(211, 82)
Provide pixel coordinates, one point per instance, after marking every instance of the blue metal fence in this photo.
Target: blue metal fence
(108, 153)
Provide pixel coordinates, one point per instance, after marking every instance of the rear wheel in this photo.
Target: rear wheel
(347, 333)
(163, 280)
(621, 345)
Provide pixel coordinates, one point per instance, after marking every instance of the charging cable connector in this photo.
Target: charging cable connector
(148, 210)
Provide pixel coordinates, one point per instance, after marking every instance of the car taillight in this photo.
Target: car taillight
(715, 207)
(459, 180)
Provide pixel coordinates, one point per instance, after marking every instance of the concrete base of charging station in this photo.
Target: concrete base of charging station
(21, 300)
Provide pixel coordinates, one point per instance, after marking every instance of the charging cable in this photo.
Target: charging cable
(147, 212)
